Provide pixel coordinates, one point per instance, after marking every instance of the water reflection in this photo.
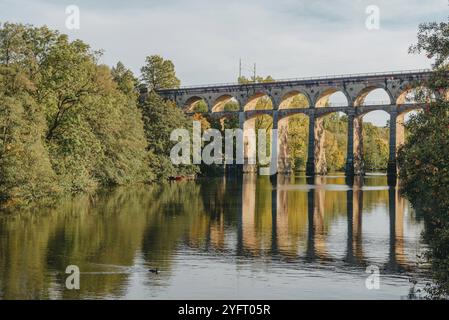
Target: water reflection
(257, 230)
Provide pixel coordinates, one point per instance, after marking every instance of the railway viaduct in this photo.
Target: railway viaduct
(316, 91)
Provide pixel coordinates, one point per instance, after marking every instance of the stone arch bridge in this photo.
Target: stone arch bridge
(316, 91)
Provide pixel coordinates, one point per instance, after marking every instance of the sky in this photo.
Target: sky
(206, 38)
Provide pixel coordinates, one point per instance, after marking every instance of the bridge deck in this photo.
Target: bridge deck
(301, 81)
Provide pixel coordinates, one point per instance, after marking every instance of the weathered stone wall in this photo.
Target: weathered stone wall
(284, 161)
(320, 154)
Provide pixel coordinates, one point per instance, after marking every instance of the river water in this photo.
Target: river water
(247, 238)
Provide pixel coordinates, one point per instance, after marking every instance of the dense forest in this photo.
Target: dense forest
(70, 124)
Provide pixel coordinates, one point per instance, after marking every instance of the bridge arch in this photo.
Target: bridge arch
(255, 120)
(374, 102)
(295, 99)
(325, 96)
(293, 142)
(331, 131)
(224, 103)
(375, 140)
(196, 103)
(373, 95)
(259, 101)
(412, 93)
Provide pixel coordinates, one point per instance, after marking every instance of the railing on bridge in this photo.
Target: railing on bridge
(337, 76)
(367, 103)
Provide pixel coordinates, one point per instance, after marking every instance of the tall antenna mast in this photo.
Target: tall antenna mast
(240, 68)
(254, 72)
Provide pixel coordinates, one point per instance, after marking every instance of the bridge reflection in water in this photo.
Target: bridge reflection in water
(214, 237)
(302, 212)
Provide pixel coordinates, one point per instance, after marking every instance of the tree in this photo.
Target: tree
(125, 79)
(158, 73)
(160, 119)
(68, 123)
(433, 38)
(257, 79)
(200, 106)
(375, 147)
(335, 141)
(424, 158)
(26, 173)
(298, 135)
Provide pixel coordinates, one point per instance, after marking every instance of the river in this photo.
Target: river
(221, 238)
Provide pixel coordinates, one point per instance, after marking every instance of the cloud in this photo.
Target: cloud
(206, 38)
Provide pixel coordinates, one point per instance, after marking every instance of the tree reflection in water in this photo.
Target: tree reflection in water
(284, 222)
(436, 235)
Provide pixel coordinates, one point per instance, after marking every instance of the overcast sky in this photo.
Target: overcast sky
(206, 38)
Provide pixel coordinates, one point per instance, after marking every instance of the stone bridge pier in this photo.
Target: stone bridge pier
(316, 157)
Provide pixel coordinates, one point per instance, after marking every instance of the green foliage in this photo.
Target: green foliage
(424, 159)
(298, 134)
(336, 135)
(25, 169)
(231, 122)
(231, 106)
(158, 73)
(160, 119)
(433, 39)
(125, 80)
(335, 145)
(68, 123)
(375, 147)
(298, 137)
(257, 79)
(222, 124)
(424, 173)
(200, 106)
